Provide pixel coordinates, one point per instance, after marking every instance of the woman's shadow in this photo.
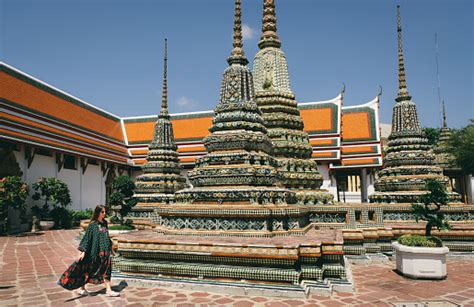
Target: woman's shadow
(118, 288)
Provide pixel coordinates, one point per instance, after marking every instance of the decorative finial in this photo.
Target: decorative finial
(343, 90)
(441, 105)
(380, 91)
(444, 116)
(269, 31)
(237, 55)
(402, 83)
(164, 94)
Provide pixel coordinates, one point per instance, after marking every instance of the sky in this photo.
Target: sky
(110, 52)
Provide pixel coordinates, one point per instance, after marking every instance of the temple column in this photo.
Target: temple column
(363, 186)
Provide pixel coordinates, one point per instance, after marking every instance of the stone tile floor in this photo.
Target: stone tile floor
(30, 266)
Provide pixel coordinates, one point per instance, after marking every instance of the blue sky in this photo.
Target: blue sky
(109, 53)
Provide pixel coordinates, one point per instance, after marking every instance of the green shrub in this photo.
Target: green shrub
(62, 217)
(420, 241)
(82, 215)
(121, 200)
(431, 203)
(121, 227)
(13, 194)
(52, 192)
(115, 220)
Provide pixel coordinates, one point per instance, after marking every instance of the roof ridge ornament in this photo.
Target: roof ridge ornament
(402, 83)
(269, 30)
(343, 90)
(164, 94)
(237, 55)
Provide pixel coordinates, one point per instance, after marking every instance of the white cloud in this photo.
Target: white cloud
(185, 103)
(248, 32)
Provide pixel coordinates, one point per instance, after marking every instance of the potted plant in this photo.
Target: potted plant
(13, 194)
(425, 256)
(53, 192)
(121, 202)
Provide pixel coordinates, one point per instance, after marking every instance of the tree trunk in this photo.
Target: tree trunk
(428, 229)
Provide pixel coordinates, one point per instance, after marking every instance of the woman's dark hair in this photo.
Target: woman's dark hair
(97, 211)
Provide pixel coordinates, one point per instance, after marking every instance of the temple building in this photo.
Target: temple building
(46, 132)
(54, 134)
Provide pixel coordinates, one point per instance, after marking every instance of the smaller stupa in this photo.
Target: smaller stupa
(444, 158)
(409, 160)
(162, 173)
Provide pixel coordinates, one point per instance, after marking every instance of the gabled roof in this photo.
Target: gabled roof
(34, 112)
(361, 142)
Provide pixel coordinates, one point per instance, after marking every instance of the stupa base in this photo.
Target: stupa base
(313, 259)
(406, 197)
(243, 219)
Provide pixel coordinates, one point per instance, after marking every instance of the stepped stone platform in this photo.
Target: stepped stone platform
(310, 261)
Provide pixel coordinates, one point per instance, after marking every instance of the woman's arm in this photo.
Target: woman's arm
(86, 241)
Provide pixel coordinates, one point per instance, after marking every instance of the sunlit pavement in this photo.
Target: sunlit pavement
(30, 266)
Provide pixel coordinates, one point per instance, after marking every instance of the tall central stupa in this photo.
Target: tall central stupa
(409, 161)
(235, 185)
(291, 146)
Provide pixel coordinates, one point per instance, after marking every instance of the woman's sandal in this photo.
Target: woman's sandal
(112, 294)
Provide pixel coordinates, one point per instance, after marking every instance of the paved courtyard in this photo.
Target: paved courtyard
(30, 266)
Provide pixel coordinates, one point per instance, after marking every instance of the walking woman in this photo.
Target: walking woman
(94, 264)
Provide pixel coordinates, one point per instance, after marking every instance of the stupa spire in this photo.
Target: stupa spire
(164, 94)
(444, 116)
(402, 83)
(269, 30)
(237, 55)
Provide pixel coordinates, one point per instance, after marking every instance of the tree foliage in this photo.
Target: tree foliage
(429, 208)
(53, 192)
(13, 194)
(462, 147)
(432, 134)
(121, 199)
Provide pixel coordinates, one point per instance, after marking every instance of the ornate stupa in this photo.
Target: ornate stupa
(409, 160)
(296, 170)
(161, 173)
(239, 167)
(443, 158)
(235, 185)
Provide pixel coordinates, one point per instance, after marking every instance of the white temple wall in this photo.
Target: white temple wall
(92, 187)
(329, 182)
(350, 197)
(87, 190)
(73, 180)
(370, 183)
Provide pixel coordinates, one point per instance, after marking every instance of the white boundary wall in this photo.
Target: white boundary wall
(87, 190)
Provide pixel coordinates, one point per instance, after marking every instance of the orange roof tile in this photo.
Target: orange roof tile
(323, 154)
(358, 149)
(356, 126)
(34, 98)
(317, 119)
(359, 161)
(316, 142)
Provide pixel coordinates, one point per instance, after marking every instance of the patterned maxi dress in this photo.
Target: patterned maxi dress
(96, 264)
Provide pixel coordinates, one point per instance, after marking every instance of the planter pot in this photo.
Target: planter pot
(46, 225)
(421, 262)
